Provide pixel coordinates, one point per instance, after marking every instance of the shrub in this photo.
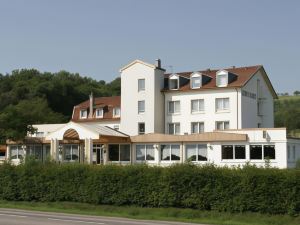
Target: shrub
(206, 187)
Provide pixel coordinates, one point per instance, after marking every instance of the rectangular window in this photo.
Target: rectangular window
(119, 153)
(16, 152)
(233, 152)
(174, 107)
(222, 104)
(197, 105)
(255, 152)
(71, 153)
(239, 152)
(196, 82)
(113, 152)
(141, 106)
(116, 112)
(141, 84)
(170, 152)
(227, 152)
(174, 128)
(144, 153)
(141, 128)
(124, 152)
(289, 152)
(221, 80)
(83, 114)
(35, 151)
(99, 113)
(222, 125)
(197, 127)
(173, 84)
(196, 152)
(269, 151)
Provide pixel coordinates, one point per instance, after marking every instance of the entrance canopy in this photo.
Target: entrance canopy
(81, 131)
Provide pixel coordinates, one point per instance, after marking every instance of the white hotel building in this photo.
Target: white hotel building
(225, 117)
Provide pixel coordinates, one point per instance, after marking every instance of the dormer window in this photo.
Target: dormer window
(83, 114)
(222, 78)
(173, 82)
(99, 113)
(196, 81)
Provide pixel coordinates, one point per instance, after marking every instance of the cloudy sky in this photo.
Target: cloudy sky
(96, 38)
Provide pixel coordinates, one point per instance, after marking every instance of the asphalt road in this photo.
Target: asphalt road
(24, 217)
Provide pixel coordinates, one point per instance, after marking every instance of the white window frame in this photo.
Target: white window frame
(72, 150)
(145, 148)
(173, 78)
(81, 113)
(20, 152)
(176, 102)
(223, 125)
(170, 152)
(262, 151)
(234, 152)
(114, 112)
(141, 110)
(99, 110)
(197, 152)
(140, 87)
(219, 74)
(199, 110)
(119, 153)
(175, 125)
(193, 78)
(223, 104)
(198, 127)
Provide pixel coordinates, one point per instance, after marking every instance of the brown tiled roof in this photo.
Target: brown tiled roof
(107, 103)
(243, 75)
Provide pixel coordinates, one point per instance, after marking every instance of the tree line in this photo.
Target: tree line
(28, 96)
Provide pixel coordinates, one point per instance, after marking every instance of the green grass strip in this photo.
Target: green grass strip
(168, 214)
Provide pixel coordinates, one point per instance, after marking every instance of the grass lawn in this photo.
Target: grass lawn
(170, 214)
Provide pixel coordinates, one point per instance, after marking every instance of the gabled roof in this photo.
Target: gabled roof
(108, 103)
(244, 74)
(137, 61)
(203, 137)
(85, 130)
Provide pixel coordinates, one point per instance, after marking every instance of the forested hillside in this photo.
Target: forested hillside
(287, 113)
(29, 97)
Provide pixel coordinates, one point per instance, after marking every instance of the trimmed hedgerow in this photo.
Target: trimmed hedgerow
(207, 187)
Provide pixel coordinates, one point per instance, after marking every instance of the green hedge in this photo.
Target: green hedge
(186, 186)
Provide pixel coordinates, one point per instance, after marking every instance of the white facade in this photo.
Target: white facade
(257, 112)
(180, 104)
(153, 114)
(209, 116)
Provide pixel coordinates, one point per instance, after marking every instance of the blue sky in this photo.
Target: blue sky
(96, 38)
